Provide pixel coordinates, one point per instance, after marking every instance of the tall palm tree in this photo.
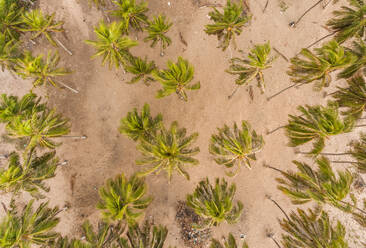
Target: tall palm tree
(8, 52)
(169, 150)
(312, 229)
(176, 79)
(229, 243)
(349, 21)
(157, 29)
(252, 67)
(358, 65)
(10, 18)
(141, 68)
(111, 45)
(227, 24)
(236, 147)
(122, 199)
(28, 227)
(358, 152)
(132, 14)
(28, 175)
(215, 204)
(316, 124)
(137, 126)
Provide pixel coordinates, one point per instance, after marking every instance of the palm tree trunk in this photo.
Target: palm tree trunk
(278, 205)
(359, 209)
(327, 153)
(234, 91)
(273, 168)
(307, 11)
(63, 46)
(319, 40)
(275, 130)
(4, 156)
(281, 54)
(281, 91)
(363, 125)
(74, 136)
(274, 240)
(343, 162)
(68, 87)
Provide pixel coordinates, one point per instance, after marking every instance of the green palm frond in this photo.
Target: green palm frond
(28, 227)
(136, 126)
(28, 175)
(10, 18)
(358, 64)
(169, 150)
(229, 243)
(42, 71)
(316, 67)
(148, 236)
(236, 147)
(252, 67)
(111, 44)
(316, 124)
(41, 25)
(123, 199)
(157, 29)
(141, 69)
(8, 52)
(358, 152)
(349, 21)
(176, 78)
(132, 14)
(227, 24)
(215, 204)
(312, 229)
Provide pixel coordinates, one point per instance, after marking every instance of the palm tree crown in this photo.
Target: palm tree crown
(131, 14)
(10, 18)
(358, 152)
(358, 64)
(228, 243)
(157, 28)
(8, 52)
(141, 68)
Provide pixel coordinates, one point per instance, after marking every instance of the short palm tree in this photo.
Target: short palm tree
(236, 147)
(157, 29)
(349, 21)
(176, 78)
(312, 229)
(111, 45)
(358, 64)
(148, 236)
(29, 174)
(10, 18)
(308, 67)
(316, 124)
(358, 152)
(41, 25)
(215, 204)
(141, 69)
(136, 126)
(122, 199)
(229, 243)
(132, 14)
(169, 150)
(227, 24)
(252, 67)
(8, 52)
(28, 227)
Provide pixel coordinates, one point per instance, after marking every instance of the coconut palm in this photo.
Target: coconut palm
(137, 126)
(157, 29)
(252, 67)
(227, 24)
(122, 199)
(358, 152)
(41, 25)
(148, 236)
(28, 175)
(308, 67)
(316, 124)
(141, 69)
(349, 21)
(359, 63)
(229, 243)
(215, 204)
(28, 227)
(312, 229)
(169, 150)
(176, 79)
(132, 14)
(10, 19)
(111, 44)
(8, 52)
(236, 147)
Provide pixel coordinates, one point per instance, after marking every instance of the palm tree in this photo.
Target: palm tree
(8, 52)
(148, 236)
(229, 243)
(312, 229)
(359, 63)
(122, 199)
(131, 14)
(215, 203)
(111, 44)
(316, 67)
(137, 126)
(228, 24)
(10, 18)
(176, 78)
(349, 21)
(358, 152)
(29, 227)
(252, 67)
(168, 150)
(316, 124)
(157, 28)
(236, 147)
(142, 70)
(29, 175)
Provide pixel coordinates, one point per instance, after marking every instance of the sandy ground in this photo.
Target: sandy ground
(105, 97)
